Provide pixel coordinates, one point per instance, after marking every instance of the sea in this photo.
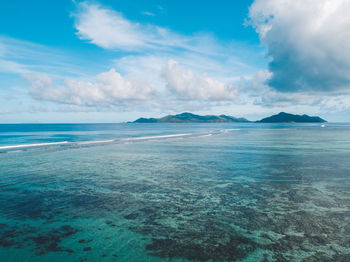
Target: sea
(175, 192)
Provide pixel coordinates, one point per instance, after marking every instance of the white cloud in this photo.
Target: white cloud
(295, 32)
(147, 13)
(107, 89)
(188, 85)
(108, 28)
(146, 49)
(110, 89)
(308, 43)
(254, 92)
(21, 57)
(9, 66)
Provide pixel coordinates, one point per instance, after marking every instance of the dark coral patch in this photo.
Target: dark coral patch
(81, 241)
(6, 238)
(49, 242)
(235, 248)
(131, 216)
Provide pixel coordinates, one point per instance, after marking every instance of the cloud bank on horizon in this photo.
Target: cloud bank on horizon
(151, 68)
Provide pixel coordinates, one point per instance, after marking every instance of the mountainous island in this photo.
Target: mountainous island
(192, 118)
(290, 118)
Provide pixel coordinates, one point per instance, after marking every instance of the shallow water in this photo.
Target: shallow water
(213, 192)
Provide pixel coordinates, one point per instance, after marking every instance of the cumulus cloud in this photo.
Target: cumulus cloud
(107, 89)
(255, 90)
(308, 43)
(188, 85)
(112, 89)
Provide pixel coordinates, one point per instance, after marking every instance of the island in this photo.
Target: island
(290, 118)
(192, 118)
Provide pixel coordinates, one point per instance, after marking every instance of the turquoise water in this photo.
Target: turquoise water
(175, 192)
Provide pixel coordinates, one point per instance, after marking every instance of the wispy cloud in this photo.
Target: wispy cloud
(147, 13)
(109, 29)
(8, 66)
(19, 57)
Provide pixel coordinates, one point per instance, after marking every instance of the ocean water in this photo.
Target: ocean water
(175, 192)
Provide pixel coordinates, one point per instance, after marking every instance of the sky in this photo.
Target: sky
(114, 61)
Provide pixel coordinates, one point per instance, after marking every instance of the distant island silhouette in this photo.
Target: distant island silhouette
(193, 118)
(290, 118)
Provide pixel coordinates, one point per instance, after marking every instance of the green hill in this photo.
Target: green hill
(192, 118)
(288, 118)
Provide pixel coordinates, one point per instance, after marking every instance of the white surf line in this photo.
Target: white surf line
(153, 137)
(223, 131)
(228, 130)
(205, 135)
(33, 145)
(96, 142)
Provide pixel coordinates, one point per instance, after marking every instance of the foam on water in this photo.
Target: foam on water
(33, 145)
(92, 142)
(154, 137)
(229, 130)
(96, 142)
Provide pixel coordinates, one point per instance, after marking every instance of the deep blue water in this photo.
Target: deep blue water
(179, 192)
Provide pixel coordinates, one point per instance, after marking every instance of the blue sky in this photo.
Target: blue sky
(112, 61)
